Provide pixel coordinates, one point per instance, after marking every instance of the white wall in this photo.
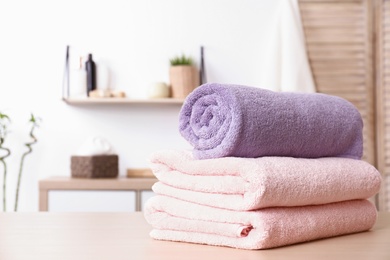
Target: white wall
(136, 39)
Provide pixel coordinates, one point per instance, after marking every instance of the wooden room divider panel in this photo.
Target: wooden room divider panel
(339, 41)
(383, 99)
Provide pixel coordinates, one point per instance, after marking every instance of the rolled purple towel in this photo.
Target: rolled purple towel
(221, 120)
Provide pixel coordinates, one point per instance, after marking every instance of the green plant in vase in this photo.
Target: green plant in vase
(183, 75)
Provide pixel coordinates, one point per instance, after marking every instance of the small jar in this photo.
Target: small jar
(158, 90)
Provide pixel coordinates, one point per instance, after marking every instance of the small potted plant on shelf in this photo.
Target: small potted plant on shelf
(183, 75)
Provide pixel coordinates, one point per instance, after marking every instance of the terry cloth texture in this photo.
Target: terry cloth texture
(247, 183)
(178, 220)
(221, 120)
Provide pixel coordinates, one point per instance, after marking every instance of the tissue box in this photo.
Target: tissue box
(96, 166)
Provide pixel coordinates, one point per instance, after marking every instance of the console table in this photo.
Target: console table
(78, 184)
(118, 236)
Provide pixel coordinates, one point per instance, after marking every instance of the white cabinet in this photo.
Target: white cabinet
(91, 201)
(66, 194)
(145, 195)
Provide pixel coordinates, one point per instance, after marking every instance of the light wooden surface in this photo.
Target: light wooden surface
(69, 183)
(125, 236)
(140, 173)
(89, 101)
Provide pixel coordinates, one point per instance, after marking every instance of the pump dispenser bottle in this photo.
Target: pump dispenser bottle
(90, 68)
(78, 81)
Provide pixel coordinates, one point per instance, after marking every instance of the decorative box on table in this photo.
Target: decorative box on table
(95, 166)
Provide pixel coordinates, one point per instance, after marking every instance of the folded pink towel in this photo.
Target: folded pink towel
(247, 183)
(177, 220)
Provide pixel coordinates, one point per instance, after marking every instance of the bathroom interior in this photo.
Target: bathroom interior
(339, 48)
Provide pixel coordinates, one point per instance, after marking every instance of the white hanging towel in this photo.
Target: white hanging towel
(285, 66)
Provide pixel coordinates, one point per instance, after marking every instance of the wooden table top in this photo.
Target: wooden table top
(117, 236)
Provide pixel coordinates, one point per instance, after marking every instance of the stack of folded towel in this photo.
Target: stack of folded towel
(268, 169)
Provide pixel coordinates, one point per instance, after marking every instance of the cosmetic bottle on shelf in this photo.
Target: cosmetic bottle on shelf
(78, 81)
(90, 68)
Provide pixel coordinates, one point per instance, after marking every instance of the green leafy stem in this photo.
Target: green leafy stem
(2, 160)
(4, 120)
(34, 122)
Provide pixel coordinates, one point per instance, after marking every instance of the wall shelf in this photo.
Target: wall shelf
(87, 101)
